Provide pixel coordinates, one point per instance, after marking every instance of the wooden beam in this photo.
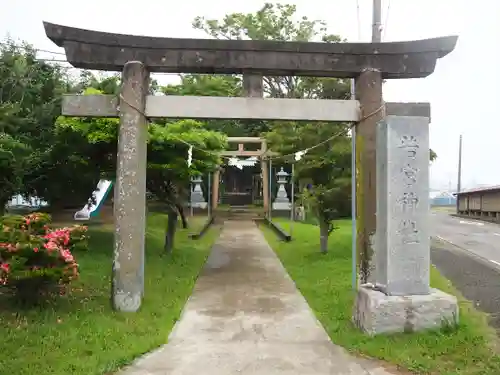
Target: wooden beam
(252, 108)
(244, 140)
(208, 107)
(205, 107)
(242, 153)
(90, 105)
(249, 153)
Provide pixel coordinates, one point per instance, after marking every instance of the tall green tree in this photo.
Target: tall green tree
(12, 155)
(103, 82)
(30, 93)
(327, 167)
(280, 22)
(217, 85)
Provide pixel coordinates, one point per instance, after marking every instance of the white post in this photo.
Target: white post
(292, 191)
(209, 197)
(270, 188)
(191, 187)
(354, 266)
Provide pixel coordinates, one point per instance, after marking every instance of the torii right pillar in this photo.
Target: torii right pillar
(369, 94)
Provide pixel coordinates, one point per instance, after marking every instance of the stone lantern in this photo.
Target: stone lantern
(197, 199)
(282, 202)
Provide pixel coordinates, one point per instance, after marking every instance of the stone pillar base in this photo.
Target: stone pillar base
(376, 313)
(282, 206)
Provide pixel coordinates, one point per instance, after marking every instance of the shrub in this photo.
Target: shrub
(34, 260)
(12, 221)
(37, 222)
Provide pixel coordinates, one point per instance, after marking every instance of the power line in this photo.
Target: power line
(376, 22)
(358, 20)
(386, 22)
(26, 48)
(56, 61)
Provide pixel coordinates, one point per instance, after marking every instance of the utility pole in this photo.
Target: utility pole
(377, 21)
(459, 179)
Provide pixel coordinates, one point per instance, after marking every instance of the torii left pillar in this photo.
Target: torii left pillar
(130, 190)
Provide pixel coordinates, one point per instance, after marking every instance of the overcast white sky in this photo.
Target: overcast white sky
(463, 91)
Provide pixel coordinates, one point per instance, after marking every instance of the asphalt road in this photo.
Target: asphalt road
(467, 253)
(480, 238)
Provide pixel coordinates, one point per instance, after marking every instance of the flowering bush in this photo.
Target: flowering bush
(73, 238)
(35, 260)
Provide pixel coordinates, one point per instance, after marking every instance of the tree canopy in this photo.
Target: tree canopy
(30, 92)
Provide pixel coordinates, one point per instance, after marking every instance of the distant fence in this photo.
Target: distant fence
(444, 201)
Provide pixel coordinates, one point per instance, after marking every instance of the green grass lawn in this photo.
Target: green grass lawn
(81, 335)
(325, 281)
(449, 209)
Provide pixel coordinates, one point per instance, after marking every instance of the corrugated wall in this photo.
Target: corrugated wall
(480, 201)
(491, 202)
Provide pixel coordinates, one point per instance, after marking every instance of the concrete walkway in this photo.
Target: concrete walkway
(247, 317)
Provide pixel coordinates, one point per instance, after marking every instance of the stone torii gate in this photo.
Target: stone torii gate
(137, 56)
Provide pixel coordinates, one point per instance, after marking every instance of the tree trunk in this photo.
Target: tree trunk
(3, 204)
(170, 232)
(323, 236)
(183, 216)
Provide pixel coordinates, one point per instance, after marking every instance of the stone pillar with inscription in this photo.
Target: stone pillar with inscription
(401, 298)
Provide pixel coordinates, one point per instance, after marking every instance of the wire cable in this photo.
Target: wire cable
(386, 22)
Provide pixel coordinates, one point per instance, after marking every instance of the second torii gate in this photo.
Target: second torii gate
(261, 153)
(137, 56)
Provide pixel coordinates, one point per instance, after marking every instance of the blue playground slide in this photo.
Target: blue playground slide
(91, 209)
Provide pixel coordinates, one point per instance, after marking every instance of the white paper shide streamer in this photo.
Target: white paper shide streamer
(190, 156)
(300, 154)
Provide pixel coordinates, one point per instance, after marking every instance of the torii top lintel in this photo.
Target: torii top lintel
(90, 49)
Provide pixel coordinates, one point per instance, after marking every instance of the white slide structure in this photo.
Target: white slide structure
(99, 195)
